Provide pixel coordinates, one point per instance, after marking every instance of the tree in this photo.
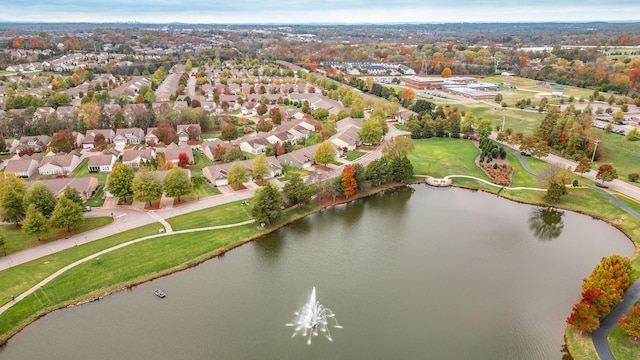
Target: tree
(35, 223)
(146, 187)
(555, 191)
(177, 183)
(349, 184)
(446, 72)
(66, 214)
(2, 243)
(166, 133)
(379, 171)
(584, 165)
(120, 180)
(633, 135)
(267, 204)
(275, 115)
(325, 153)
(261, 168)
(402, 169)
(584, 317)
(296, 192)
(238, 174)
(72, 194)
(233, 154)
(484, 129)
(606, 172)
(183, 160)
(360, 175)
(371, 131)
(598, 299)
(630, 322)
(229, 132)
(90, 113)
(3, 144)
(399, 146)
(62, 141)
(12, 200)
(42, 198)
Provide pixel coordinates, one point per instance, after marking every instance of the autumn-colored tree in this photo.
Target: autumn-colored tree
(183, 160)
(397, 147)
(280, 149)
(606, 172)
(99, 141)
(166, 133)
(630, 322)
(598, 299)
(446, 72)
(261, 168)
(612, 276)
(584, 317)
(229, 132)
(584, 165)
(276, 115)
(325, 153)
(349, 184)
(90, 113)
(219, 152)
(62, 141)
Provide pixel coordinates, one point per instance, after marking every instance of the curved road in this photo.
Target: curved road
(631, 296)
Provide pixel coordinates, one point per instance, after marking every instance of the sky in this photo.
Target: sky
(317, 11)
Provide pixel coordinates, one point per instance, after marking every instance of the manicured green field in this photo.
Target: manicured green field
(621, 347)
(523, 121)
(19, 278)
(352, 155)
(440, 157)
(290, 170)
(16, 240)
(624, 155)
(230, 213)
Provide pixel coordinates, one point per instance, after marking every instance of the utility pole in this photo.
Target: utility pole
(594, 150)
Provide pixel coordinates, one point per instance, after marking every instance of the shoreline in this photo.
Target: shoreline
(98, 294)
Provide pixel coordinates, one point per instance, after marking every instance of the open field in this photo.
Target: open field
(440, 157)
(621, 347)
(230, 213)
(624, 155)
(523, 121)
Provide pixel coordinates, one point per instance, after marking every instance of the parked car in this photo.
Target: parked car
(86, 209)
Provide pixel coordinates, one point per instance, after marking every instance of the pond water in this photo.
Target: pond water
(412, 273)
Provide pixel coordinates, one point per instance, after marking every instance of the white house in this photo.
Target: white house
(102, 163)
(59, 164)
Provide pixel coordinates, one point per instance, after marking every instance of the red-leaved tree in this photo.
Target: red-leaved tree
(349, 183)
(183, 160)
(584, 317)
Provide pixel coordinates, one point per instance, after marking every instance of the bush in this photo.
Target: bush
(634, 177)
(575, 182)
(495, 166)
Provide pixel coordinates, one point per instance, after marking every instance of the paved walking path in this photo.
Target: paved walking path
(105, 251)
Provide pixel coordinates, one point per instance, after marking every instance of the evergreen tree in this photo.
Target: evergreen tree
(267, 204)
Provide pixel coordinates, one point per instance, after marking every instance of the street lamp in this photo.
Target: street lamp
(594, 150)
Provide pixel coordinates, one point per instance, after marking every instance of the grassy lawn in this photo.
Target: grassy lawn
(352, 155)
(97, 200)
(622, 154)
(581, 347)
(290, 170)
(314, 138)
(16, 240)
(200, 161)
(230, 213)
(622, 348)
(20, 278)
(440, 157)
(83, 170)
(401, 127)
(215, 135)
(517, 120)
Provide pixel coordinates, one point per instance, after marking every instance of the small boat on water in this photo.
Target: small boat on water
(159, 293)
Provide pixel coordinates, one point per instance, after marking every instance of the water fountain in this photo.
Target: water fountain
(313, 318)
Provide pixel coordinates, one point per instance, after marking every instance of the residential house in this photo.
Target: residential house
(173, 151)
(85, 186)
(404, 115)
(253, 144)
(37, 143)
(348, 139)
(12, 145)
(188, 132)
(129, 136)
(209, 146)
(42, 112)
(65, 112)
(302, 158)
(59, 164)
(134, 157)
(217, 174)
(24, 167)
(90, 137)
(102, 163)
(77, 139)
(151, 138)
